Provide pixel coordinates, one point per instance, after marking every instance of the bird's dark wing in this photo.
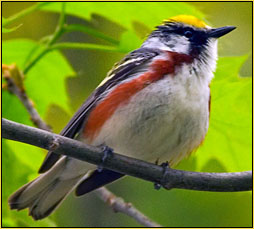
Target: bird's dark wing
(70, 130)
(97, 180)
(122, 70)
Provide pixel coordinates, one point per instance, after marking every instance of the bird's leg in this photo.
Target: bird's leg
(107, 152)
(165, 166)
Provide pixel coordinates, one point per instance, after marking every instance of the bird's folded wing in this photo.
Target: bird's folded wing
(132, 63)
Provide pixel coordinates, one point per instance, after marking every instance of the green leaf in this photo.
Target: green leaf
(125, 13)
(11, 106)
(16, 51)
(229, 67)
(28, 155)
(129, 41)
(202, 209)
(229, 140)
(45, 82)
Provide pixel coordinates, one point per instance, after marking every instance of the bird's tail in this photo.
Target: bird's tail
(45, 193)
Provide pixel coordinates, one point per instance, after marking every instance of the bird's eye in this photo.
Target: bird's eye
(188, 33)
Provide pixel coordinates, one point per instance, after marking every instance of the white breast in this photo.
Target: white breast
(167, 120)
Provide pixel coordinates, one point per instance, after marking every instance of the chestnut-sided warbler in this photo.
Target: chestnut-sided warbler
(154, 105)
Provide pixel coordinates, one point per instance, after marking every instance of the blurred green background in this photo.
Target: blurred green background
(176, 208)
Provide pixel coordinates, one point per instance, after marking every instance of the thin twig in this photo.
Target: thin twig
(169, 178)
(23, 13)
(42, 53)
(20, 92)
(85, 46)
(90, 31)
(58, 32)
(119, 205)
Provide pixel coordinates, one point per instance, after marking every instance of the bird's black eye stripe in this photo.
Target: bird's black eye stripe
(187, 32)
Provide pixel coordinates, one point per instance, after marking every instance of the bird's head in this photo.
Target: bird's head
(186, 34)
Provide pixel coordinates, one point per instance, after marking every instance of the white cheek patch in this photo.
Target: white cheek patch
(155, 43)
(179, 44)
(176, 43)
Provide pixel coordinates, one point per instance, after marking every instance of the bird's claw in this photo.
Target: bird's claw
(165, 166)
(107, 152)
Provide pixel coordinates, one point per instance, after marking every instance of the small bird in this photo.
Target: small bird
(153, 105)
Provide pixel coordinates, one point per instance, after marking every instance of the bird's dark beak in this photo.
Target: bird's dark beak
(219, 32)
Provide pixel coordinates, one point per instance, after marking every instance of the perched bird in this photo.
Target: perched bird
(153, 105)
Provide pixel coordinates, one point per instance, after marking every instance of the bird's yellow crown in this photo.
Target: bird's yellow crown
(187, 19)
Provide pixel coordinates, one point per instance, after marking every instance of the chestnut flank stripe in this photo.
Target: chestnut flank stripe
(123, 93)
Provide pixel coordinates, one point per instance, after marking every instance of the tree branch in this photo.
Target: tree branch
(172, 178)
(118, 205)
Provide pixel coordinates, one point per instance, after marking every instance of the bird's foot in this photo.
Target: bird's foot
(165, 166)
(107, 152)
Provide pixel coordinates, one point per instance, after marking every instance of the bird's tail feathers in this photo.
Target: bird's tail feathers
(43, 194)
